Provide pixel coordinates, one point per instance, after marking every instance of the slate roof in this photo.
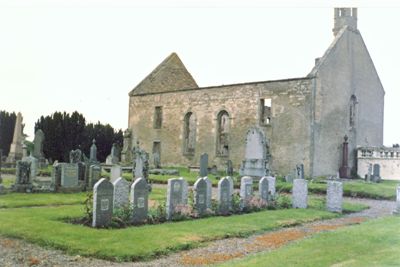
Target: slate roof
(170, 75)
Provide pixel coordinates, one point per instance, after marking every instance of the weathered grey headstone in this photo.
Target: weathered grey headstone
(24, 151)
(38, 144)
(369, 174)
(263, 189)
(204, 165)
(121, 193)
(69, 175)
(300, 171)
(56, 176)
(397, 210)
(231, 182)
(246, 190)
(271, 186)
(126, 153)
(23, 181)
(300, 193)
(177, 193)
(93, 152)
(376, 176)
(229, 168)
(81, 171)
(34, 165)
(115, 172)
(334, 196)
(75, 156)
(113, 158)
(209, 191)
(103, 198)
(94, 175)
(224, 196)
(139, 200)
(289, 178)
(201, 196)
(139, 167)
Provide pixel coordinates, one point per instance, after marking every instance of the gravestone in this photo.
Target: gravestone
(16, 145)
(397, 210)
(289, 178)
(75, 156)
(300, 194)
(115, 172)
(177, 192)
(113, 158)
(81, 171)
(121, 193)
(34, 166)
(126, 153)
(23, 182)
(209, 191)
(255, 163)
(139, 200)
(141, 164)
(229, 168)
(103, 198)
(94, 175)
(24, 151)
(224, 196)
(93, 152)
(69, 175)
(38, 146)
(263, 189)
(334, 196)
(56, 176)
(246, 190)
(201, 196)
(300, 171)
(231, 182)
(369, 174)
(376, 176)
(271, 186)
(203, 165)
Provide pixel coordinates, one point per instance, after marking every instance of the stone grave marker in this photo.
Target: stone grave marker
(271, 186)
(224, 196)
(75, 156)
(115, 172)
(177, 192)
(263, 189)
(397, 210)
(300, 193)
(230, 182)
(376, 176)
(229, 168)
(334, 196)
(246, 190)
(34, 166)
(121, 193)
(203, 165)
(56, 176)
(369, 174)
(209, 191)
(94, 174)
(23, 181)
(93, 152)
(102, 203)
(300, 171)
(201, 196)
(69, 175)
(139, 200)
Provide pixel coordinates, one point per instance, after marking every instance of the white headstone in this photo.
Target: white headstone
(115, 172)
(334, 196)
(121, 193)
(300, 193)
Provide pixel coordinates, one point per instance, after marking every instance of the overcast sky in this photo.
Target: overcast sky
(87, 55)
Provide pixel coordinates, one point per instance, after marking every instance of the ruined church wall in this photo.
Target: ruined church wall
(288, 134)
(347, 70)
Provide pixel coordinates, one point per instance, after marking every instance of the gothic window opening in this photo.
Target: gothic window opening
(353, 102)
(157, 117)
(223, 134)
(265, 111)
(189, 134)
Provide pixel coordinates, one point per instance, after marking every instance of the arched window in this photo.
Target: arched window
(352, 118)
(223, 134)
(189, 131)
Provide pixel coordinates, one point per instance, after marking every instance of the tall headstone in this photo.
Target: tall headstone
(93, 152)
(203, 165)
(209, 191)
(23, 182)
(376, 175)
(141, 164)
(16, 145)
(126, 153)
(115, 172)
(56, 176)
(177, 192)
(344, 170)
(69, 175)
(94, 175)
(103, 198)
(229, 168)
(201, 196)
(397, 210)
(256, 154)
(246, 190)
(121, 193)
(271, 186)
(34, 166)
(113, 158)
(224, 196)
(300, 194)
(231, 182)
(139, 200)
(334, 196)
(263, 189)
(38, 145)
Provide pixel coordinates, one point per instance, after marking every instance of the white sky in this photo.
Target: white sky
(87, 55)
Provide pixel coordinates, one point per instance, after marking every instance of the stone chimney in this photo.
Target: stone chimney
(345, 17)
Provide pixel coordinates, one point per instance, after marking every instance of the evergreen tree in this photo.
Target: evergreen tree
(7, 124)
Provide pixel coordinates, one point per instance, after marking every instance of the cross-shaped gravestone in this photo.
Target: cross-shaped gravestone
(139, 200)
(103, 192)
(121, 193)
(224, 196)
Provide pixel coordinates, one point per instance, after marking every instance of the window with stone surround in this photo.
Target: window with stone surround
(189, 133)
(157, 117)
(223, 124)
(265, 111)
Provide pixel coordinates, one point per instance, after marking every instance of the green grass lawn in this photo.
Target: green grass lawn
(373, 243)
(16, 200)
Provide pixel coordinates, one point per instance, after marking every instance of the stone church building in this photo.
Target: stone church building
(303, 119)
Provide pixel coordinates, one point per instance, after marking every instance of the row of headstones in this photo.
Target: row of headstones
(109, 196)
(374, 173)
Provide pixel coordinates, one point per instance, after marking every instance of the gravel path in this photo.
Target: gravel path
(15, 252)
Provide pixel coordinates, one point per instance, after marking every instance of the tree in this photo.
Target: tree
(7, 124)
